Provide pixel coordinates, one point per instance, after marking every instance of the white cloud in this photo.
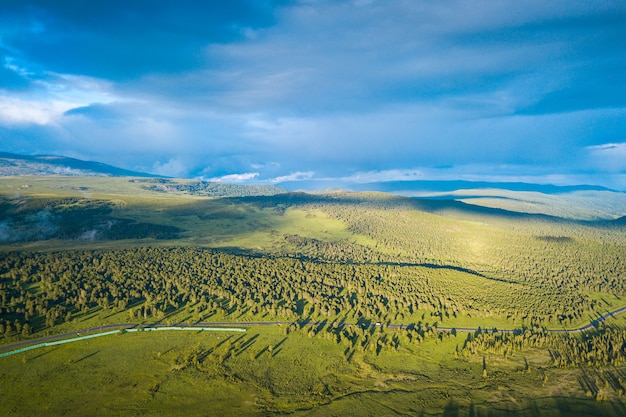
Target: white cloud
(51, 98)
(608, 148)
(272, 165)
(386, 175)
(609, 157)
(80, 90)
(23, 111)
(10, 64)
(295, 176)
(236, 177)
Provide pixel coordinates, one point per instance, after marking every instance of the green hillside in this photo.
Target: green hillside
(374, 304)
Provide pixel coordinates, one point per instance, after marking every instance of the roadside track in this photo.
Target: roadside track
(220, 324)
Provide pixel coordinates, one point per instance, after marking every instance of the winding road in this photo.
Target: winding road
(139, 326)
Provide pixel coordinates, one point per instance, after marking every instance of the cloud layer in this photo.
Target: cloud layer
(260, 90)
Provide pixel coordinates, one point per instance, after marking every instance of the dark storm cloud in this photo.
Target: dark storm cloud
(118, 39)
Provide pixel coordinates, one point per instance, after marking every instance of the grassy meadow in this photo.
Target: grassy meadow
(77, 253)
(265, 372)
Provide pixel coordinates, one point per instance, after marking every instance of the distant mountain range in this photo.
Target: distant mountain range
(447, 186)
(15, 165)
(583, 202)
(424, 187)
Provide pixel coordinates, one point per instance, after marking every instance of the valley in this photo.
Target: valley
(379, 304)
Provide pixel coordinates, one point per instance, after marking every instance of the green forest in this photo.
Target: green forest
(354, 303)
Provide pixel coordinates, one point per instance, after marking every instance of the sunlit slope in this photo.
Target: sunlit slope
(577, 205)
(578, 202)
(369, 303)
(129, 188)
(520, 268)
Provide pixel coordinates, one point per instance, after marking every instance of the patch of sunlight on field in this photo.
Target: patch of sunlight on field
(207, 222)
(271, 228)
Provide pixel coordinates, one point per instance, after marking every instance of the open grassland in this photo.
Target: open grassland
(81, 212)
(271, 371)
(77, 253)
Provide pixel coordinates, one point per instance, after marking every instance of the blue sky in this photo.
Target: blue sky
(366, 90)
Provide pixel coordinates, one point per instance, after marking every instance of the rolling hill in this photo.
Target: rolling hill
(579, 202)
(353, 303)
(15, 165)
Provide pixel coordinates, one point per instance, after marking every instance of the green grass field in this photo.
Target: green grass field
(77, 253)
(265, 372)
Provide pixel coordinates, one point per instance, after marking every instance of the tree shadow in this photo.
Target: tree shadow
(261, 352)
(87, 356)
(277, 347)
(451, 410)
(44, 353)
(246, 345)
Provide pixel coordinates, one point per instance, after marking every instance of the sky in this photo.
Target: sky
(261, 91)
